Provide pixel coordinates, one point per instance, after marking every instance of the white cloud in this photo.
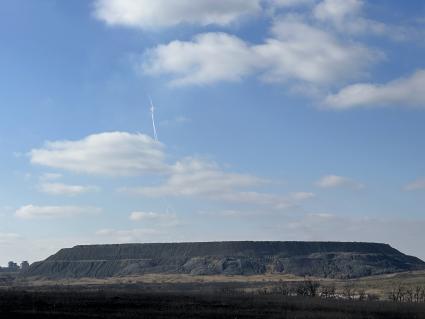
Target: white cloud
(121, 153)
(193, 177)
(138, 216)
(110, 153)
(64, 189)
(162, 219)
(301, 52)
(48, 212)
(337, 10)
(297, 51)
(334, 181)
(416, 185)
(300, 196)
(148, 14)
(346, 16)
(208, 58)
(50, 177)
(267, 200)
(403, 92)
(290, 3)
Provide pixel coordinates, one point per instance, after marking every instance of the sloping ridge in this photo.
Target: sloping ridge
(323, 259)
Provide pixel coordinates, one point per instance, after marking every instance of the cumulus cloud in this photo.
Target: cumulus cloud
(403, 92)
(110, 153)
(334, 181)
(297, 51)
(337, 10)
(65, 189)
(301, 52)
(148, 14)
(49, 212)
(347, 17)
(208, 58)
(416, 185)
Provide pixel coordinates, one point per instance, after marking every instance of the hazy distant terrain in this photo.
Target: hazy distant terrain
(319, 259)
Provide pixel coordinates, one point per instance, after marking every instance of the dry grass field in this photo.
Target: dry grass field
(185, 296)
(380, 286)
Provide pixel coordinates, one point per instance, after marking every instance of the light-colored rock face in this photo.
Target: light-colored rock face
(324, 259)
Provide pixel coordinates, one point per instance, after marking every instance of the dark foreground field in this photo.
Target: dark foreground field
(119, 304)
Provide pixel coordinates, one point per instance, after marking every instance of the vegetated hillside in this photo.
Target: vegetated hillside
(322, 259)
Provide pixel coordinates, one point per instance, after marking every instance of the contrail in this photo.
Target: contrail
(153, 120)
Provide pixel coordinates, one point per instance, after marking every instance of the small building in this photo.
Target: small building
(12, 266)
(25, 265)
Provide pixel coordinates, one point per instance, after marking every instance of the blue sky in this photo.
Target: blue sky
(277, 120)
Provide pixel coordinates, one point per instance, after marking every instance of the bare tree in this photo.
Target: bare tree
(422, 296)
(328, 291)
(417, 294)
(284, 289)
(301, 289)
(362, 294)
(397, 294)
(348, 291)
(409, 295)
(312, 287)
(307, 288)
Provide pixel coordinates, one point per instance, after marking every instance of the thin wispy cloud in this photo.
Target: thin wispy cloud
(130, 235)
(66, 189)
(193, 177)
(8, 238)
(53, 212)
(418, 184)
(335, 181)
(48, 177)
(161, 219)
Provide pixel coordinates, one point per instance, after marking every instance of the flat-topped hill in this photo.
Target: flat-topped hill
(324, 259)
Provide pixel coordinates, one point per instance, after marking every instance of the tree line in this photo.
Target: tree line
(312, 288)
